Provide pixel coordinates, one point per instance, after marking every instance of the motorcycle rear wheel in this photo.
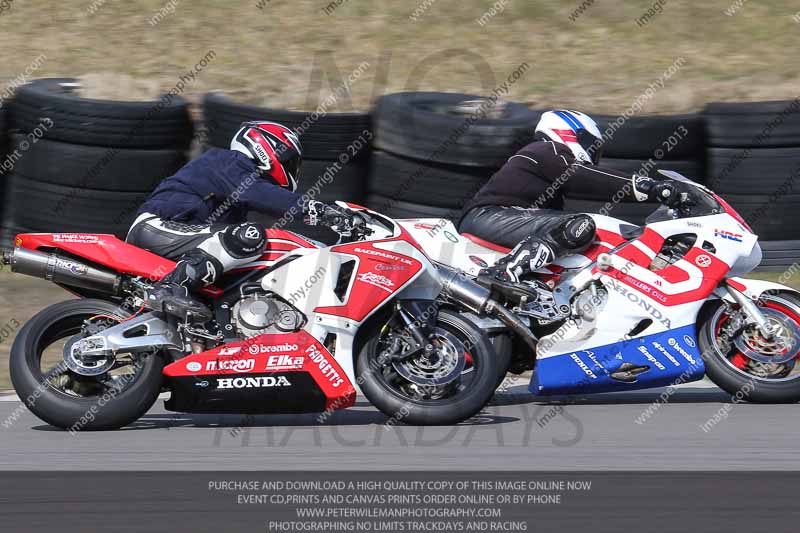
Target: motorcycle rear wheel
(470, 391)
(741, 376)
(69, 400)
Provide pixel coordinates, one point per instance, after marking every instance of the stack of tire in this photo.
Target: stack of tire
(754, 164)
(644, 145)
(433, 151)
(83, 165)
(336, 150)
(3, 147)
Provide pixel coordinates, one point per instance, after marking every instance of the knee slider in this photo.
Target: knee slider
(575, 232)
(244, 240)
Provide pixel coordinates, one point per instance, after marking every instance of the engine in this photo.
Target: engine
(261, 313)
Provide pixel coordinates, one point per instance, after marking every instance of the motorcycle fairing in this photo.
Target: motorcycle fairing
(270, 373)
(102, 249)
(656, 360)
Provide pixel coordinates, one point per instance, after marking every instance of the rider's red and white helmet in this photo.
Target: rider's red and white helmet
(575, 130)
(275, 149)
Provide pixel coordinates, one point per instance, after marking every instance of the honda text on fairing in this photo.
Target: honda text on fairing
(642, 306)
(301, 329)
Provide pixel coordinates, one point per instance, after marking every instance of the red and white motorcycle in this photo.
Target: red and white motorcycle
(642, 306)
(302, 329)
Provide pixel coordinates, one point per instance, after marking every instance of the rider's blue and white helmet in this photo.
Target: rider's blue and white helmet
(574, 129)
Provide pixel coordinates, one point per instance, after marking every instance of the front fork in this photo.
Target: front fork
(417, 320)
(751, 311)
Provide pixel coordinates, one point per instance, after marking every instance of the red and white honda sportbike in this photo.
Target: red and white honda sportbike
(643, 306)
(299, 330)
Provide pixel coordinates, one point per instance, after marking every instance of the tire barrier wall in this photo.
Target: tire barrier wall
(87, 164)
(434, 151)
(83, 165)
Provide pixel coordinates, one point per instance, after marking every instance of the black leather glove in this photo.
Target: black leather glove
(321, 214)
(647, 189)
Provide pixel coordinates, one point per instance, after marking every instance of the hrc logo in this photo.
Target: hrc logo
(728, 235)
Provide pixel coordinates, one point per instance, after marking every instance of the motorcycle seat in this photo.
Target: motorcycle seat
(486, 244)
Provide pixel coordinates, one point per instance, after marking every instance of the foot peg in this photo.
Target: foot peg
(627, 372)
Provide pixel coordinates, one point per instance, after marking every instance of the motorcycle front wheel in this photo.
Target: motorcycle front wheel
(448, 384)
(746, 364)
(120, 389)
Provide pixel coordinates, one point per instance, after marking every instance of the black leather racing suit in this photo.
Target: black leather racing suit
(521, 205)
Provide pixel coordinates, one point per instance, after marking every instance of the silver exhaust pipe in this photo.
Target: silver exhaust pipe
(478, 299)
(61, 270)
(463, 290)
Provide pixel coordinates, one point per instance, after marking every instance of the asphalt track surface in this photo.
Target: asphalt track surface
(518, 431)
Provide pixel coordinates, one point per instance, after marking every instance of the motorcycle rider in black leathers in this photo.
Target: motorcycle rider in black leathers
(521, 205)
(197, 217)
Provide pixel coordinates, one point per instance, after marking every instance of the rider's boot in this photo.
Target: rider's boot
(174, 294)
(528, 256)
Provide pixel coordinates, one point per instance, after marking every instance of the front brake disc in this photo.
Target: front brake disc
(444, 365)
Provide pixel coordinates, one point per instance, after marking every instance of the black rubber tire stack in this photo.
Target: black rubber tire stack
(435, 150)
(644, 145)
(336, 150)
(86, 165)
(780, 255)
(753, 160)
(3, 149)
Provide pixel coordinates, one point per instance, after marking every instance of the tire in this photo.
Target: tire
(427, 126)
(761, 171)
(753, 124)
(773, 218)
(424, 183)
(94, 167)
(641, 137)
(503, 349)
(3, 129)
(691, 168)
(60, 410)
(43, 207)
(325, 138)
(164, 123)
(398, 209)
(434, 412)
(346, 184)
(633, 212)
(781, 249)
(731, 380)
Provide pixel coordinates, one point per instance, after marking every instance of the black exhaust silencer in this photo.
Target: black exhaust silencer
(61, 270)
